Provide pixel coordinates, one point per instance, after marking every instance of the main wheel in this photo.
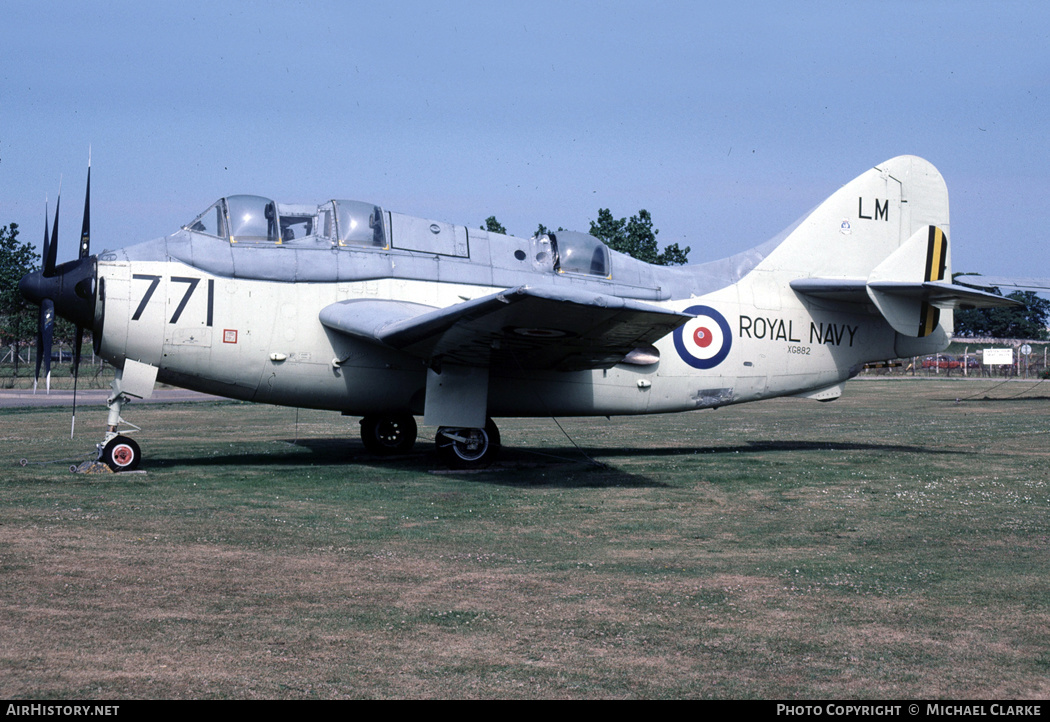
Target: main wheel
(121, 454)
(462, 448)
(390, 434)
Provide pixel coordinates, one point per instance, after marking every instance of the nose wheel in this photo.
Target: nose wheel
(121, 454)
(463, 448)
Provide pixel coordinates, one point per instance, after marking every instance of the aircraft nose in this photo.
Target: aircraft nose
(71, 288)
(34, 287)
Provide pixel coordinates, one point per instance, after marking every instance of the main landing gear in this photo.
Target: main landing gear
(459, 448)
(463, 448)
(388, 434)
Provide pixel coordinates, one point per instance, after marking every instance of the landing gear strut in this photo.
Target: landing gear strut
(463, 448)
(117, 451)
(388, 434)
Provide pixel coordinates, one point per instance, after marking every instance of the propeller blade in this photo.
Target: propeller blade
(76, 355)
(39, 354)
(85, 230)
(47, 238)
(51, 257)
(47, 330)
(85, 250)
(40, 324)
(76, 375)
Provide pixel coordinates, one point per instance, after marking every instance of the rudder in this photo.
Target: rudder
(864, 222)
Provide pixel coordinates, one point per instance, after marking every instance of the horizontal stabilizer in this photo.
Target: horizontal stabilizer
(527, 328)
(939, 293)
(944, 294)
(1035, 284)
(907, 287)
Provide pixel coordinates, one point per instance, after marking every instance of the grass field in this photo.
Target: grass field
(892, 544)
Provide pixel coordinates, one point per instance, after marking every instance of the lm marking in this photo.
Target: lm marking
(882, 210)
(190, 288)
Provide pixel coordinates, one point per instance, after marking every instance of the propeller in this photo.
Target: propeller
(85, 250)
(66, 290)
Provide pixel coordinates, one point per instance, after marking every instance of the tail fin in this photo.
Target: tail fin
(864, 222)
(882, 239)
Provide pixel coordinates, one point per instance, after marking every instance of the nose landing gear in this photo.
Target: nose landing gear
(117, 451)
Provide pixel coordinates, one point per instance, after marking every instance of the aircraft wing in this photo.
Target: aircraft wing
(524, 327)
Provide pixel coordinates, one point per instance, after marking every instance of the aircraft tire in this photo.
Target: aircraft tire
(121, 454)
(389, 435)
(479, 450)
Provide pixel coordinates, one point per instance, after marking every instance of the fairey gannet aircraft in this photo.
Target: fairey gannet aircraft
(350, 307)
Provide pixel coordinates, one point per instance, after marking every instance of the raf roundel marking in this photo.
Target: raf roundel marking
(704, 341)
(703, 337)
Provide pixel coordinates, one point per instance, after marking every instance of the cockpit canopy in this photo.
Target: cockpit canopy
(574, 252)
(258, 220)
(245, 220)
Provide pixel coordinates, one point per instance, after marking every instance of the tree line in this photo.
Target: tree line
(635, 236)
(18, 317)
(1027, 321)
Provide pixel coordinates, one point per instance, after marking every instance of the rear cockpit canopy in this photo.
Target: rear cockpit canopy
(260, 221)
(574, 252)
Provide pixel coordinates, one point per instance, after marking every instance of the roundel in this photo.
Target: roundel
(703, 342)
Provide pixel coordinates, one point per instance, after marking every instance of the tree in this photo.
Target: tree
(637, 238)
(542, 230)
(1027, 321)
(17, 320)
(493, 226)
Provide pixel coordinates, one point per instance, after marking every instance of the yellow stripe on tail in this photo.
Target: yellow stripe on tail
(936, 253)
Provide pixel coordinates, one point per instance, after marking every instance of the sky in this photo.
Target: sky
(726, 123)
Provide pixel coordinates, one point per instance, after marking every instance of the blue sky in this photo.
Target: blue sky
(727, 124)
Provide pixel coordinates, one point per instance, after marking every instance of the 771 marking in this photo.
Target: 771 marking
(192, 284)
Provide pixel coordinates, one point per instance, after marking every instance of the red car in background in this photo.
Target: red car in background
(944, 361)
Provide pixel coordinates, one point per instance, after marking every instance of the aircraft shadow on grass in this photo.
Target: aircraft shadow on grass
(529, 466)
(989, 399)
(520, 466)
(755, 446)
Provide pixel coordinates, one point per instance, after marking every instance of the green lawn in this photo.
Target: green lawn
(893, 543)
